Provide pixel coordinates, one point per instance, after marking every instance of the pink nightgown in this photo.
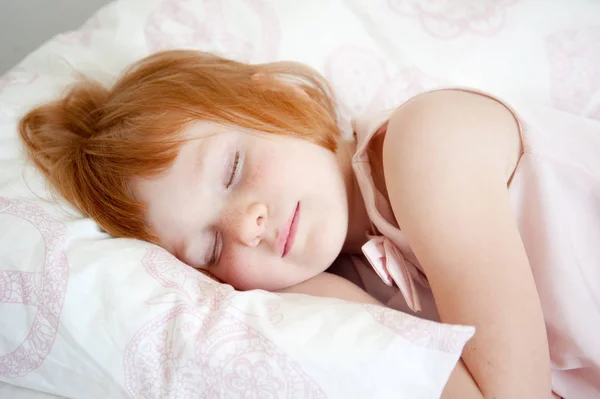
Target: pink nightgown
(555, 193)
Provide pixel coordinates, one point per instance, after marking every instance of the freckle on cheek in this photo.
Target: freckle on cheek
(260, 170)
(253, 177)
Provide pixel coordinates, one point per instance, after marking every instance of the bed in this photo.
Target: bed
(85, 315)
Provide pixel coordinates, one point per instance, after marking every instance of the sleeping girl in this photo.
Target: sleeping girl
(450, 206)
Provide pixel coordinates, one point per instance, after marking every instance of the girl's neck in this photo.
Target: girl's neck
(358, 220)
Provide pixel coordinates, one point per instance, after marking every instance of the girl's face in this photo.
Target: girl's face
(256, 210)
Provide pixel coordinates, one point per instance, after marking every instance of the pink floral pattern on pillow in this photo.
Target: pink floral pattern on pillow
(191, 285)
(200, 349)
(189, 352)
(447, 19)
(173, 25)
(429, 334)
(574, 57)
(43, 290)
(364, 83)
(194, 287)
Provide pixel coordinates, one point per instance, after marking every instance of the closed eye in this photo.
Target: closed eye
(214, 255)
(234, 169)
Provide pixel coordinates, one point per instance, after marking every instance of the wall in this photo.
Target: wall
(26, 24)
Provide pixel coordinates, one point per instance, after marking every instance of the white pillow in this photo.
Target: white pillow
(84, 315)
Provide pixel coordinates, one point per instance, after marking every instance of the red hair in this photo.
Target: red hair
(91, 143)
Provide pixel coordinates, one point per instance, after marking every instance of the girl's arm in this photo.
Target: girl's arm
(447, 158)
(332, 286)
(460, 385)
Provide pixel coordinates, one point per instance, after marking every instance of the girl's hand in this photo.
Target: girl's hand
(447, 157)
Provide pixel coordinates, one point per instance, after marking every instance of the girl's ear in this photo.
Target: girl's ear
(274, 83)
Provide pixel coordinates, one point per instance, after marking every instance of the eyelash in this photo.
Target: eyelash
(234, 170)
(213, 258)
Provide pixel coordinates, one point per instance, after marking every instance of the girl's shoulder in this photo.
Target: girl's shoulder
(450, 124)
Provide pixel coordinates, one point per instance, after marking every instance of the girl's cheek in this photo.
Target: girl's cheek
(237, 272)
(210, 275)
(260, 172)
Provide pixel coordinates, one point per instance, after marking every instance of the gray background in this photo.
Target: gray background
(26, 24)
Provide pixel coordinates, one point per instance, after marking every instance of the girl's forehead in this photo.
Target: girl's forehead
(201, 129)
(205, 130)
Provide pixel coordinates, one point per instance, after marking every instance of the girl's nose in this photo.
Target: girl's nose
(252, 224)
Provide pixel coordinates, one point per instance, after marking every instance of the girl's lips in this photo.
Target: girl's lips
(287, 233)
(292, 231)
